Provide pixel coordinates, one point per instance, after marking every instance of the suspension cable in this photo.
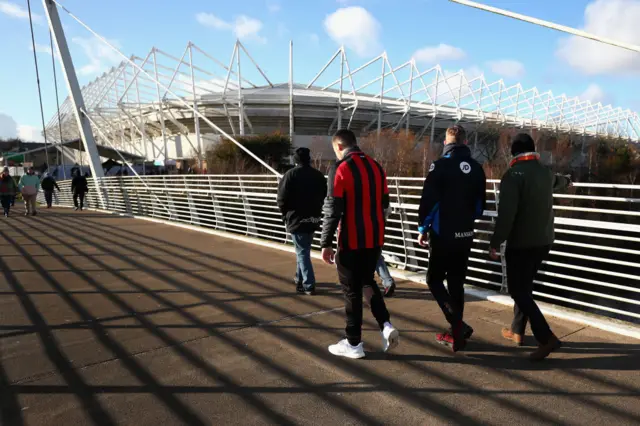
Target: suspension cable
(55, 84)
(35, 60)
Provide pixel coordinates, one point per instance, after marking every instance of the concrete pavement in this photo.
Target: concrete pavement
(109, 320)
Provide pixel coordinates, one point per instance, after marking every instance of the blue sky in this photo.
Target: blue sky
(432, 31)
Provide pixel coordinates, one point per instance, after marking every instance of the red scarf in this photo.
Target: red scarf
(527, 156)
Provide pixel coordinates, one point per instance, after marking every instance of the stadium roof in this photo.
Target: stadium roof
(124, 100)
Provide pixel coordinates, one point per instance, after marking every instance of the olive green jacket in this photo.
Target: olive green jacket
(525, 207)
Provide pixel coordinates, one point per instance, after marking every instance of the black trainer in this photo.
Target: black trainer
(467, 331)
(388, 291)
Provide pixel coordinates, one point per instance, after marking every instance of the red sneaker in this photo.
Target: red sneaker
(455, 341)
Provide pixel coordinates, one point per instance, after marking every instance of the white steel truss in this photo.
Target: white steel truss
(130, 107)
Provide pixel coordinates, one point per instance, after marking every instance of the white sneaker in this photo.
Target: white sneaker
(343, 348)
(390, 337)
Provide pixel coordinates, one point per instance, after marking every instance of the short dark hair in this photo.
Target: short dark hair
(302, 156)
(458, 132)
(522, 142)
(346, 138)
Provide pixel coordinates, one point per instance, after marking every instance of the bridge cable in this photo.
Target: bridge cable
(55, 84)
(35, 60)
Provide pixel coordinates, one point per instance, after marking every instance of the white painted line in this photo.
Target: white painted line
(591, 320)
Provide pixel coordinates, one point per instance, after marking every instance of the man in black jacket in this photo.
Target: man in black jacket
(454, 196)
(300, 196)
(48, 185)
(79, 187)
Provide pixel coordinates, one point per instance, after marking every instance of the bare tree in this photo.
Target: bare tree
(399, 153)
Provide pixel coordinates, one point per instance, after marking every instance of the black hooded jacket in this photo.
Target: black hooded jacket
(300, 196)
(48, 184)
(79, 185)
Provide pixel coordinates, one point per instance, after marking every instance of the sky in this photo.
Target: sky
(430, 31)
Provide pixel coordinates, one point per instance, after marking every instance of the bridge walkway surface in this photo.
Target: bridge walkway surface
(110, 320)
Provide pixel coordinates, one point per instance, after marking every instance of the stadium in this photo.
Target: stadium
(176, 107)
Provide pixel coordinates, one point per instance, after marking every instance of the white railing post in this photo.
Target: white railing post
(503, 246)
(408, 246)
(125, 196)
(217, 209)
(251, 223)
(193, 211)
(173, 213)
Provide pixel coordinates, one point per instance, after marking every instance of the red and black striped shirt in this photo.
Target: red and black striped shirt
(357, 198)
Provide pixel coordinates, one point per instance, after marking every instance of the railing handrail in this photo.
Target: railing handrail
(594, 263)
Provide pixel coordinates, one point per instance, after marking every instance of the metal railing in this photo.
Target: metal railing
(594, 265)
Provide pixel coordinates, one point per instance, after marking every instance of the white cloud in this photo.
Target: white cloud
(455, 85)
(16, 11)
(274, 7)
(10, 129)
(355, 28)
(282, 30)
(439, 53)
(8, 126)
(243, 27)
(30, 133)
(101, 57)
(210, 20)
(595, 94)
(42, 48)
(507, 68)
(615, 19)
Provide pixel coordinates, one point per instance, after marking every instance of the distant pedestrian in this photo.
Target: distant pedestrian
(8, 189)
(48, 185)
(301, 193)
(356, 201)
(29, 186)
(525, 222)
(79, 188)
(388, 283)
(453, 197)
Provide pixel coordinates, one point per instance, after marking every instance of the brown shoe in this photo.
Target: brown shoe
(544, 351)
(510, 335)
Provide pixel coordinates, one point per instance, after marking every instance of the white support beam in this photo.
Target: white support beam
(547, 24)
(84, 126)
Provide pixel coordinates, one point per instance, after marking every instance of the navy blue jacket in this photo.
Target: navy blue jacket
(454, 196)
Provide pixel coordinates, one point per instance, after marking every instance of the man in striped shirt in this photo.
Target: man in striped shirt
(356, 200)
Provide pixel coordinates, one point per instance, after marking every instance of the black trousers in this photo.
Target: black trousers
(448, 261)
(6, 202)
(522, 266)
(48, 196)
(80, 196)
(355, 271)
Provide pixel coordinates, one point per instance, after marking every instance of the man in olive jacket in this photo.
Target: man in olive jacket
(525, 222)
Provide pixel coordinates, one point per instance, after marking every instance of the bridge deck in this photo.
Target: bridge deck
(109, 320)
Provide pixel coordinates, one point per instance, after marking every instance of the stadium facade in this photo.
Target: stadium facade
(152, 114)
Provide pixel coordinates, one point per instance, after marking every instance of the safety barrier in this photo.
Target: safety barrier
(594, 265)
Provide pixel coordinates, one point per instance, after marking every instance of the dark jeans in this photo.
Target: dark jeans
(48, 196)
(522, 266)
(355, 270)
(80, 196)
(448, 261)
(6, 202)
(304, 270)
